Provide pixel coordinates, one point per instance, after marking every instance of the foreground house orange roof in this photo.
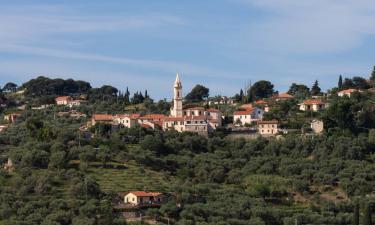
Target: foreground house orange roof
(261, 102)
(212, 110)
(284, 95)
(246, 106)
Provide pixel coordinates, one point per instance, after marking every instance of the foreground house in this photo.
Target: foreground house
(143, 198)
(248, 116)
(314, 105)
(11, 118)
(268, 127)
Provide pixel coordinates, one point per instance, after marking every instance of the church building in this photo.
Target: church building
(196, 119)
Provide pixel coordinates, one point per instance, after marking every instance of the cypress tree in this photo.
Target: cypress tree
(356, 213)
(367, 215)
(340, 83)
(372, 77)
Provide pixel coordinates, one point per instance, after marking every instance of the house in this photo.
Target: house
(248, 116)
(102, 118)
(11, 118)
(268, 127)
(347, 92)
(312, 105)
(3, 127)
(63, 100)
(127, 120)
(282, 96)
(317, 126)
(143, 198)
(263, 104)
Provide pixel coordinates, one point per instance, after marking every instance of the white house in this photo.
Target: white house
(144, 198)
(248, 116)
(312, 105)
(347, 92)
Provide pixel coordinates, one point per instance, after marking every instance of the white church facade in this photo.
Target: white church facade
(196, 119)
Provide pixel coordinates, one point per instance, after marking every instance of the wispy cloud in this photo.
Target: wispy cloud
(320, 26)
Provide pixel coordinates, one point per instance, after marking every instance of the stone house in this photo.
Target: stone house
(268, 127)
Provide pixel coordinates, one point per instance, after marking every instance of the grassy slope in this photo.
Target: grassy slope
(129, 176)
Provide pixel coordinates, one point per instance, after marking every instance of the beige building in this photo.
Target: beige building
(317, 126)
(266, 128)
(102, 118)
(127, 120)
(282, 96)
(63, 100)
(314, 105)
(11, 118)
(248, 116)
(144, 198)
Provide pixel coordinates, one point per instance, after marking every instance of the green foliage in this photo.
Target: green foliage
(260, 89)
(315, 89)
(197, 94)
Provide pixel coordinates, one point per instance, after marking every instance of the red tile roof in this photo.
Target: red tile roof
(167, 119)
(313, 102)
(153, 117)
(246, 106)
(261, 102)
(347, 91)
(241, 113)
(284, 95)
(102, 117)
(63, 98)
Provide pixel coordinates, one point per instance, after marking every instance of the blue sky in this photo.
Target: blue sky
(221, 44)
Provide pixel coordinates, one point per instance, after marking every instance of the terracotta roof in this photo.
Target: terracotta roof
(348, 91)
(153, 117)
(240, 113)
(261, 102)
(145, 194)
(268, 122)
(130, 116)
(102, 117)
(284, 95)
(147, 126)
(167, 119)
(246, 106)
(63, 98)
(313, 102)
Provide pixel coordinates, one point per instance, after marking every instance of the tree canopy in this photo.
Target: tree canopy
(198, 94)
(260, 89)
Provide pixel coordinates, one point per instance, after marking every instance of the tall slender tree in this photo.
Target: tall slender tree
(340, 83)
(356, 213)
(367, 215)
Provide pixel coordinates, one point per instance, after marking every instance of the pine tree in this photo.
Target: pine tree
(146, 94)
(367, 215)
(372, 77)
(241, 95)
(356, 214)
(315, 89)
(127, 95)
(340, 83)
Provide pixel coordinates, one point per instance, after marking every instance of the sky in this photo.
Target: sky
(221, 44)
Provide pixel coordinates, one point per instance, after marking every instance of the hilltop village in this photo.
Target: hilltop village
(104, 156)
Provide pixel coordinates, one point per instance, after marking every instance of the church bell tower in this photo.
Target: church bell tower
(177, 98)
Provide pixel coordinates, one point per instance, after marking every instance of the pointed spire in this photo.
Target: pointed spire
(177, 83)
